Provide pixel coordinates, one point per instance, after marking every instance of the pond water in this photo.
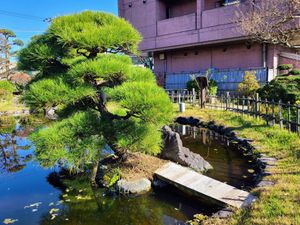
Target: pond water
(229, 163)
(31, 195)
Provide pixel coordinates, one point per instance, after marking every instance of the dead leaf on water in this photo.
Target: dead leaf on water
(37, 204)
(60, 202)
(53, 210)
(251, 171)
(10, 221)
(53, 216)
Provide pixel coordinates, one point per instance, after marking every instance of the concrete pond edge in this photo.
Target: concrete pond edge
(261, 160)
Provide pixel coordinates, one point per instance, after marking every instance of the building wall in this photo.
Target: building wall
(219, 57)
(183, 7)
(210, 4)
(180, 31)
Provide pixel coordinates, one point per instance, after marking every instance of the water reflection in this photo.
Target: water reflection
(227, 159)
(13, 154)
(34, 195)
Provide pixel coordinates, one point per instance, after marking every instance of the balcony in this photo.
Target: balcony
(219, 16)
(176, 24)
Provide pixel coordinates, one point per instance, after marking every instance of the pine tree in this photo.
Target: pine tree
(100, 96)
(7, 41)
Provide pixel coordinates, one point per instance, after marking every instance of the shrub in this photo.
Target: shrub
(295, 72)
(192, 84)
(250, 85)
(285, 67)
(282, 88)
(6, 90)
(212, 86)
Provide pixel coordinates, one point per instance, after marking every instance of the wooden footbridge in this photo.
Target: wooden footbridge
(202, 186)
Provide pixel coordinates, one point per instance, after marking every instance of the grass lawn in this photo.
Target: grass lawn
(276, 205)
(12, 105)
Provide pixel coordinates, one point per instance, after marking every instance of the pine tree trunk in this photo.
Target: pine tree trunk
(7, 59)
(94, 174)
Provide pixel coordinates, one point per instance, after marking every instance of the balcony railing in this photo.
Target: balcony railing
(219, 16)
(176, 24)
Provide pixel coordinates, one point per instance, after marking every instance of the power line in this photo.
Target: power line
(24, 16)
(28, 31)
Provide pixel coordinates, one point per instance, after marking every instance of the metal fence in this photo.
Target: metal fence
(227, 79)
(286, 115)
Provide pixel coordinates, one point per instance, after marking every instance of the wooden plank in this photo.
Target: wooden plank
(197, 183)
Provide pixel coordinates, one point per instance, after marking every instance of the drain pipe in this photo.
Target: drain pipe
(264, 55)
(265, 59)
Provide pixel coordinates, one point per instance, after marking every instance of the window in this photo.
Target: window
(229, 2)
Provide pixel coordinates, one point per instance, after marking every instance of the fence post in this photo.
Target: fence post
(179, 97)
(194, 95)
(248, 105)
(221, 102)
(289, 116)
(267, 111)
(298, 119)
(256, 106)
(273, 112)
(243, 104)
(280, 114)
(227, 100)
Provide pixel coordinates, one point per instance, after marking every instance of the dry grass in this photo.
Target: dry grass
(139, 165)
(11, 106)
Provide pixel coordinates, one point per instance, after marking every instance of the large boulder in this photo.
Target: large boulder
(175, 151)
(134, 187)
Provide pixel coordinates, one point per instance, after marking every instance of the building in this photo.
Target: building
(190, 36)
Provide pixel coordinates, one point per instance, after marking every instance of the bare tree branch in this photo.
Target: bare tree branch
(271, 21)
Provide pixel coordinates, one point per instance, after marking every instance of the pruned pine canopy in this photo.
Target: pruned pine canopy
(102, 98)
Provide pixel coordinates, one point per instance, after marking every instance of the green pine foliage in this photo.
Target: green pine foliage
(284, 88)
(72, 143)
(101, 97)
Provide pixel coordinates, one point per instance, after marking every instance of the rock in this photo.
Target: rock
(157, 183)
(188, 121)
(224, 213)
(265, 183)
(269, 161)
(181, 120)
(50, 113)
(174, 151)
(134, 187)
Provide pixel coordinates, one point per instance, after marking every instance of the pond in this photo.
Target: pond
(229, 163)
(30, 194)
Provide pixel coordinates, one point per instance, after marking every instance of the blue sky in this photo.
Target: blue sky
(25, 17)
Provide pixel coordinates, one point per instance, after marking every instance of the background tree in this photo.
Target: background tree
(249, 86)
(7, 41)
(271, 21)
(101, 97)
